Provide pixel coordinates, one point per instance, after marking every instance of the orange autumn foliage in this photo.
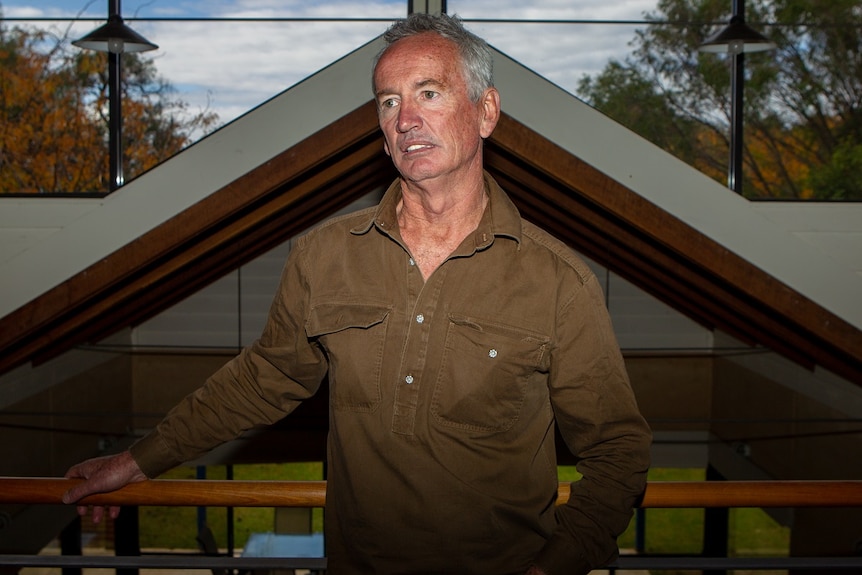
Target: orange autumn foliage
(54, 117)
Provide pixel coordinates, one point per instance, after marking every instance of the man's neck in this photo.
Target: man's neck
(440, 205)
(434, 222)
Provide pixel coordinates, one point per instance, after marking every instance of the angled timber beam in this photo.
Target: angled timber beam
(661, 254)
(264, 207)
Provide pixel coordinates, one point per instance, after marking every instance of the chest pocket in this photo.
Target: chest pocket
(485, 374)
(353, 336)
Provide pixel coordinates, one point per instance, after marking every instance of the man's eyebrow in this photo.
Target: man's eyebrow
(430, 82)
(420, 84)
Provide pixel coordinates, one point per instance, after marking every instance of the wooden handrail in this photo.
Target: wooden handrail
(223, 493)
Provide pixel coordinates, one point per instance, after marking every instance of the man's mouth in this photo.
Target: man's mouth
(416, 147)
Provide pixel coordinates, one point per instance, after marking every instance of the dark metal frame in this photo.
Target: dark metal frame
(627, 562)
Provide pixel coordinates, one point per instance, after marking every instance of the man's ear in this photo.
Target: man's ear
(490, 103)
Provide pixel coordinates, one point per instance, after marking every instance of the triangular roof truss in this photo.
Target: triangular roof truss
(344, 161)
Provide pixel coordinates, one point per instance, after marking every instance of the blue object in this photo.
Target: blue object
(284, 545)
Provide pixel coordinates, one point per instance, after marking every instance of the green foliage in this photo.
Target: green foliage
(840, 179)
(625, 94)
(802, 101)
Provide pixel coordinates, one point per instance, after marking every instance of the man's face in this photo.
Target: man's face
(431, 127)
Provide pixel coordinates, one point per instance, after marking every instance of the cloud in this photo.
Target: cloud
(230, 67)
(251, 62)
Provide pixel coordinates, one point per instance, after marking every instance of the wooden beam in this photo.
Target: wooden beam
(691, 271)
(235, 493)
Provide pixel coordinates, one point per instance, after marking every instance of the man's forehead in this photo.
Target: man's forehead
(425, 48)
(416, 64)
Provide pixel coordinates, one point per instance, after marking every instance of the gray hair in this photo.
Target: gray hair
(476, 60)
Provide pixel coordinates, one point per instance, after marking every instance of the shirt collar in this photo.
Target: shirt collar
(501, 217)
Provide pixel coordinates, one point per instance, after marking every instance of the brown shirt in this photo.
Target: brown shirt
(443, 398)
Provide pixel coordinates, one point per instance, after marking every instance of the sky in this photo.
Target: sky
(231, 67)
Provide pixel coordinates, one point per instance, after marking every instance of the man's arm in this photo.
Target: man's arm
(261, 385)
(102, 475)
(598, 417)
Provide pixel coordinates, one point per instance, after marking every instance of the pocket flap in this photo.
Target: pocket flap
(335, 317)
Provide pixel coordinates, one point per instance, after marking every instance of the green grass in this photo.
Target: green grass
(752, 532)
(668, 531)
(176, 527)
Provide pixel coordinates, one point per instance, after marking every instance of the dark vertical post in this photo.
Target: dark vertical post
(201, 474)
(640, 530)
(737, 80)
(70, 544)
(231, 542)
(127, 538)
(426, 6)
(716, 525)
(115, 111)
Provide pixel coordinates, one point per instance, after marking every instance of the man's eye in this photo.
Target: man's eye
(429, 94)
(388, 103)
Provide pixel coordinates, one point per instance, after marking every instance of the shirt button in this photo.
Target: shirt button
(408, 380)
(412, 263)
(420, 318)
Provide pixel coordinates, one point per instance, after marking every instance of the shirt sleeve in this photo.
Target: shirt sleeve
(265, 382)
(598, 417)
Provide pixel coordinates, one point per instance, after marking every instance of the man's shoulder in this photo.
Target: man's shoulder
(340, 226)
(557, 250)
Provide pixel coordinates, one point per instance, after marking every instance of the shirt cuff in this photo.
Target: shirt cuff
(152, 455)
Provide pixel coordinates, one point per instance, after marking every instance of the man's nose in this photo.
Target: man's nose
(408, 117)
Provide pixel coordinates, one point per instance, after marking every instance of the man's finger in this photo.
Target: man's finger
(73, 494)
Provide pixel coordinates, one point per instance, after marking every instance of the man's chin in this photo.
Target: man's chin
(418, 173)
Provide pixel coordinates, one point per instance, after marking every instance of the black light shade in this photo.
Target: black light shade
(115, 37)
(736, 38)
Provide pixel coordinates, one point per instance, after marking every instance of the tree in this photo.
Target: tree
(54, 116)
(803, 128)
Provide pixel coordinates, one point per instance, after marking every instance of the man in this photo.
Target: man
(454, 335)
